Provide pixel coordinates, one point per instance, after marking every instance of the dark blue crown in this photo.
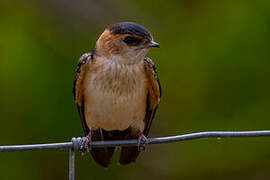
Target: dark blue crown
(130, 28)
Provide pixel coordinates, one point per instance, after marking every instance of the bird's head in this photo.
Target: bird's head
(126, 42)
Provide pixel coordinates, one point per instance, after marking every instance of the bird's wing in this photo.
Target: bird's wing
(154, 93)
(85, 60)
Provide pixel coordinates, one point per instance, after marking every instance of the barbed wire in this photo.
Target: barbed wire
(75, 143)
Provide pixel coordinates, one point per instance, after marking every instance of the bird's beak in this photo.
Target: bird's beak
(153, 44)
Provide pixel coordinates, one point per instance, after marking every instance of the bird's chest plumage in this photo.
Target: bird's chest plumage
(115, 96)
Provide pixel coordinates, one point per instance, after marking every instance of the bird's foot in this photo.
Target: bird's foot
(86, 143)
(142, 142)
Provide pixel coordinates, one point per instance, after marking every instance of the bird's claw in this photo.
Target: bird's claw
(86, 145)
(142, 142)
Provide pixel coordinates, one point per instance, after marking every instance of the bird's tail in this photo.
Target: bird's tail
(129, 154)
(103, 155)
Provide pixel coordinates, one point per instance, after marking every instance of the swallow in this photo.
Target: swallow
(117, 91)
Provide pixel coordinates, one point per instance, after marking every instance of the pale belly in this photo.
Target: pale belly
(115, 107)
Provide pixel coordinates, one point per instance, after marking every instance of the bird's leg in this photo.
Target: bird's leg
(86, 143)
(142, 141)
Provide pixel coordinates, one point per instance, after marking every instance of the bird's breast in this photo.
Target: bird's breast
(115, 96)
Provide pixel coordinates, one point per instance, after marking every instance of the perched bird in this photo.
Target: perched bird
(117, 91)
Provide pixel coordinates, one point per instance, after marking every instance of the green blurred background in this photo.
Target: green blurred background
(213, 65)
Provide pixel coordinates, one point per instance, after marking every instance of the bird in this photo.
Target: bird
(117, 91)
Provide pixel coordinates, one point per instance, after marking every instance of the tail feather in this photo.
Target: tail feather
(129, 154)
(104, 155)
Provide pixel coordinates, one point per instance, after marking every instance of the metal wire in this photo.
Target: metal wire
(76, 142)
(71, 164)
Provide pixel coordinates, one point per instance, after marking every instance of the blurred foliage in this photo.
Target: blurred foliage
(213, 65)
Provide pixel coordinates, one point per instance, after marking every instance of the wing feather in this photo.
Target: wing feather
(154, 94)
(85, 59)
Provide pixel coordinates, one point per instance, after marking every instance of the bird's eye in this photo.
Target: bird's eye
(131, 40)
